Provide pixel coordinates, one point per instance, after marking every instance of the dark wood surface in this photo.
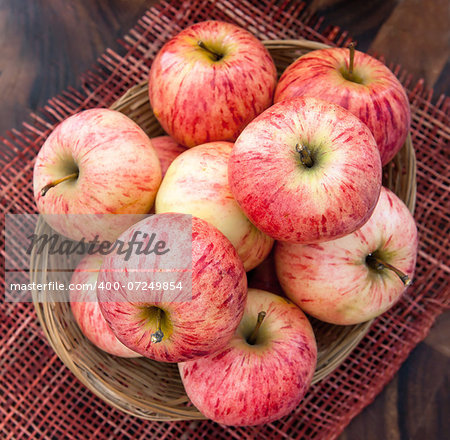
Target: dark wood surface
(46, 45)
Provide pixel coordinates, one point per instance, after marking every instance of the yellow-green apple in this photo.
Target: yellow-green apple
(197, 183)
(167, 150)
(263, 372)
(86, 310)
(98, 162)
(358, 82)
(209, 81)
(306, 171)
(357, 277)
(166, 325)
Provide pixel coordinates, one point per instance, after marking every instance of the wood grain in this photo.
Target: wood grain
(46, 45)
(363, 19)
(420, 45)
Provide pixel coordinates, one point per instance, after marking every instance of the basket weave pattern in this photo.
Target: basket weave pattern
(41, 396)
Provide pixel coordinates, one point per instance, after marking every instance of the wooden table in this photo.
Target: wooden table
(44, 46)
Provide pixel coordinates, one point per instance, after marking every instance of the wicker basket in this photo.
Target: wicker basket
(153, 390)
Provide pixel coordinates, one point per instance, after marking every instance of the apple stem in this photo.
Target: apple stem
(305, 155)
(351, 47)
(216, 55)
(158, 335)
(252, 338)
(378, 264)
(57, 182)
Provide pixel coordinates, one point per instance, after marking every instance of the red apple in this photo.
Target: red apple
(371, 92)
(197, 183)
(85, 308)
(95, 162)
(306, 171)
(357, 277)
(264, 276)
(209, 81)
(167, 150)
(164, 325)
(263, 373)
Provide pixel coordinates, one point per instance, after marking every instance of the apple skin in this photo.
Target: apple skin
(197, 183)
(332, 282)
(86, 310)
(243, 384)
(198, 99)
(192, 327)
(119, 173)
(167, 150)
(380, 101)
(291, 202)
(264, 276)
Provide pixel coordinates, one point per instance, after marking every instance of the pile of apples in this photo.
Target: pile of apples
(296, 162)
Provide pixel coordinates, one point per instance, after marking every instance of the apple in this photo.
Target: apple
(357, 277)
(86, 310)
(167, 150)
(306, 171)
(166, 325)
(197, 183)
(358, 82)
(209, 81)
(264, 276)
(263, 372)
(97, 162)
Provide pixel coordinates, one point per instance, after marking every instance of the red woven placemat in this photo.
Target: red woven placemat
(40, 398)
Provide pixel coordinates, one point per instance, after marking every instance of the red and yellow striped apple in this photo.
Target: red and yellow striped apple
(264, 276)
(306, 171)
(264, 371)
(167, 150)
(97, 161)
(209, 81)
(368, 89)
(86, 310)
(197, 183)
(357, 277)
(165, 326)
